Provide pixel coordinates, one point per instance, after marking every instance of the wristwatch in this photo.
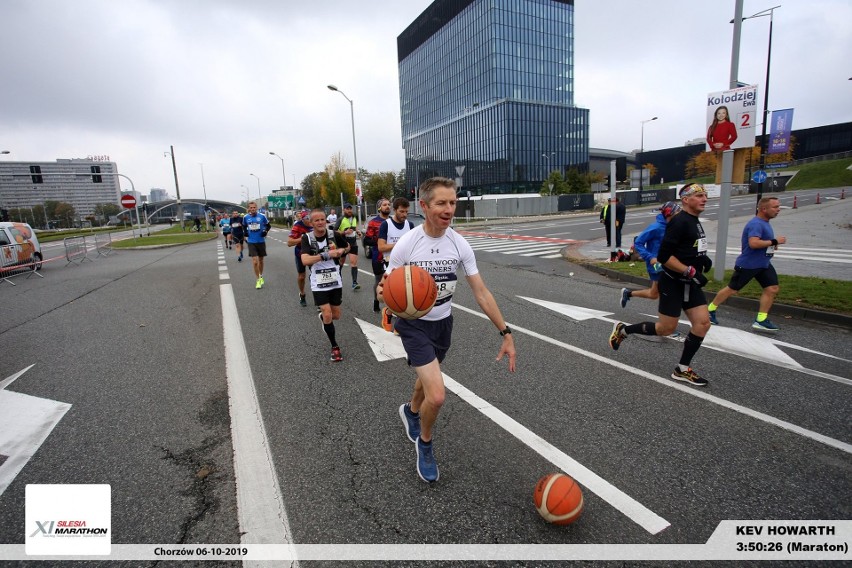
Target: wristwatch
(505, 332)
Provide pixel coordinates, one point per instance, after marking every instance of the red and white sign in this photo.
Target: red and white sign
(128, 201)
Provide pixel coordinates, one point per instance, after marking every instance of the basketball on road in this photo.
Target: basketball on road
(558, 499)
(410, 292)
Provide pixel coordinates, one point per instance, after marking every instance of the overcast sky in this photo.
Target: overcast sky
(228, 81)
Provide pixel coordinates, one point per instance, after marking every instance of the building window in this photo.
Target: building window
(96, 178)
(35, 172)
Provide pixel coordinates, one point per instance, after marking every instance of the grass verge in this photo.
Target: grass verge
(804, 291)
(165, 237)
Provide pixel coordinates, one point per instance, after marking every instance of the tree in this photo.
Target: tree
(701, 164)
(400, 190)
(106, 210)
(310, 186)
(65, 213)
(380, 184)
(575, 182)
(38, 213)
(558, 182)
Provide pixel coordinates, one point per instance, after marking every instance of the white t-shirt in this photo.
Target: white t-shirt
(332, 219)
(324, 274)
(440, 257)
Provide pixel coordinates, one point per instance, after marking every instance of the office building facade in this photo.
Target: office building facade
(83, 183)
(488, 86)
(158, 194)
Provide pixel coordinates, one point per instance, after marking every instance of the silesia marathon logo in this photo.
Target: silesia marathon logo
(61, 528)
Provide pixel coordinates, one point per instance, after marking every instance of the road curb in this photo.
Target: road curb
(784, 310)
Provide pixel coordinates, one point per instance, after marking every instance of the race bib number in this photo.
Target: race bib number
(770, 250)
(254, 226)
(326, 276)
(702, 244)
(446, 289)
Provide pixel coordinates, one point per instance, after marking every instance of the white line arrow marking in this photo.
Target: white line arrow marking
(25, 423)
(386, 346)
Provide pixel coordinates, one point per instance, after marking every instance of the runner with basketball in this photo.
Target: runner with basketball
(437, 248)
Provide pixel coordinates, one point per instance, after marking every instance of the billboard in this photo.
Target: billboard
(779, 133)
(730, 119)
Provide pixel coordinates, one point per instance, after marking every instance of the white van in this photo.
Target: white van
(19, 246)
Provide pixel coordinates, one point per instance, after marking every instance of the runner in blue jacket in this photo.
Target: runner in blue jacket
(647, 244)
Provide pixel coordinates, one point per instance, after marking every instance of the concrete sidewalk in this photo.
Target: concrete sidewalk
(826, 227)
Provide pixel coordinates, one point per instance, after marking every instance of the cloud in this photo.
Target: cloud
(226, 82)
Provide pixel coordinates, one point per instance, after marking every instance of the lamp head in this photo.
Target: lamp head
(332, 88)
(272, 154)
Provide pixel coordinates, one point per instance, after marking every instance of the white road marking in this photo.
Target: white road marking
(260, 506)
(25, 423)
(763, 348)
(386, 346)
(691, 391)
(543, 252)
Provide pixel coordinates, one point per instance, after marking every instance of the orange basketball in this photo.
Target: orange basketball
(558, 499)
(410, 292)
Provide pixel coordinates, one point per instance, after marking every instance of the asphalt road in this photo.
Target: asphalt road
(134, 343)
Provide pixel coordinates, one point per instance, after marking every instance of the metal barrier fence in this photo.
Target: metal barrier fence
(76, 250)
(12, 264)
(103, 243)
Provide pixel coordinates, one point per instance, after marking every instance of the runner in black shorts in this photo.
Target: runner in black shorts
(300, 228)
(683, 253)
(321, 251)
(237, 233)
(348, 225)
(758, 247)
(371, 238)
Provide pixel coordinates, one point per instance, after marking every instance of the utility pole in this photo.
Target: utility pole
(177, 187)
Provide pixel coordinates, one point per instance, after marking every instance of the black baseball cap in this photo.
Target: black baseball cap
(347, 206)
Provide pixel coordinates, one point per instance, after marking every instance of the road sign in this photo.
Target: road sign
(759, 176)
(280, 201)
(128, 201)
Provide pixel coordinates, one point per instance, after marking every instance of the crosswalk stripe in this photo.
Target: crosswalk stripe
(516, 246)
(541, 252)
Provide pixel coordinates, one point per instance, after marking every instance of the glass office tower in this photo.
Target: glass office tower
(489, 85)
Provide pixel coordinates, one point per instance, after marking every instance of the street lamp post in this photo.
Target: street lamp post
(283, 175)
(258, 189)
(547, 167)
(206, 212)
(354, 148)
(171, 153)
(641, 151)
(248, 195)
(763, 141)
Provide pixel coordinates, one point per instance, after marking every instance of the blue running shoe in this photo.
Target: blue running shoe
(625, 297)
(713, 320)
(427, 468)
(765, 325)
(411, 422)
